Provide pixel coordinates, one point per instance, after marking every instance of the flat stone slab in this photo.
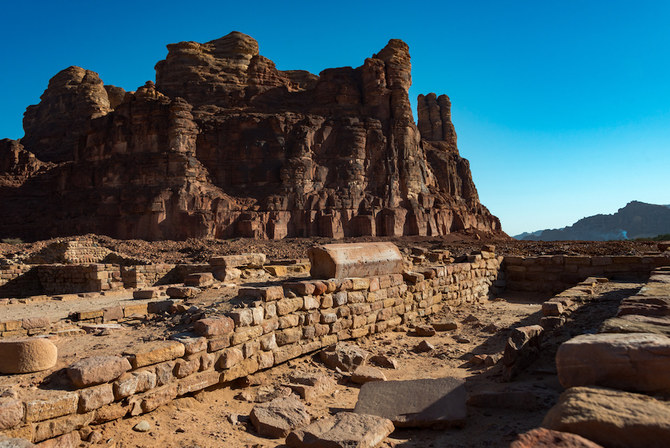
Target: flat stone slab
(355, 260)
(629, 361)
(27, 355)
(437, 403)
(254, 260)
(611, 418)
(343, 430)
(633, 323)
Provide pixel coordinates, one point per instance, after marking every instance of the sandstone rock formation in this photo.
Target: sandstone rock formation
(225, 145)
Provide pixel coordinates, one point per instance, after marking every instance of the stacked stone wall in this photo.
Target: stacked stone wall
(18, 281)
(277, 323)
(64, 278)
(555, 273)
(148, 275)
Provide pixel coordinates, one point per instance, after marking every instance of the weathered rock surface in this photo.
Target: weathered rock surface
(546, 438)
(355, 260)
(635, 362)
(611, 418)
(11, 442)
(279, 417)
(345, 357)
(434, 403)
(27, 355)
(342, 430)
(224, 145)
(523, 347)
(97, 369)
(366, 374)
(17, 164)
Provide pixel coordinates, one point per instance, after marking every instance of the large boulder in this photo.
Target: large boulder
(629, 361)
(611, 418)
(27, 355)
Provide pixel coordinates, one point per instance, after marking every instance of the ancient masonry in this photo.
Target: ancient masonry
(223, 144)
(285, 319)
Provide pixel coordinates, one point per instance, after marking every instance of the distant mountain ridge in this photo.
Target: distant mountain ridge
(635, 220)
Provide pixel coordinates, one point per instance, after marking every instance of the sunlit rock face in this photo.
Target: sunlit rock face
(225, 145)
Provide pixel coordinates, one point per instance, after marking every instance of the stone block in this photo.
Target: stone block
(214, 326)
(154, 353)
(56, 405)
(252, 260)
(629, 361)
(12, 412)
(97, 369)
(611, 418)
(95, 397)
(355, 260)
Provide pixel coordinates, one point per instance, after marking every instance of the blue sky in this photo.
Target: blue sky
(562, 108)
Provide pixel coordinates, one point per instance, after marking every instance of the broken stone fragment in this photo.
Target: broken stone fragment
(342, 430)
(424, 330)
(384, 361)
(345, 357)
(366, 374)
(278, 417)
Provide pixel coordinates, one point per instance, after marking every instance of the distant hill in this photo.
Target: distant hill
(635, 220)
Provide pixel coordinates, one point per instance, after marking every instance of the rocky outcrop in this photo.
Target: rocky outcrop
(225, 145)
(17, 164)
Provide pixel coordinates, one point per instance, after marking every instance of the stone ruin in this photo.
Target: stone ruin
(225, 145)
(278, 315)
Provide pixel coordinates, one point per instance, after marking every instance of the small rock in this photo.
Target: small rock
(424, 330)
(471, 319)
(384, 361)
(446, 325)
(94, 437)
(461, 339)
(424, 346)
(142, 426)
(365, 374)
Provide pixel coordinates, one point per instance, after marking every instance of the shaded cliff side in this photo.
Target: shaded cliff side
(225, 145)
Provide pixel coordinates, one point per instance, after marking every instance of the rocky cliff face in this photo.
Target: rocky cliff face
(225, 145)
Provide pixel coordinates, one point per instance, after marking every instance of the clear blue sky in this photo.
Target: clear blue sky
(562, 108)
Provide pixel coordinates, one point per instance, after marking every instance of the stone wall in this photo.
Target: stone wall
(554, 273)
(62, 279)
(277, 323)
(148, 275)
(17, 280)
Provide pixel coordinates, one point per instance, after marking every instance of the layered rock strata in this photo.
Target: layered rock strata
(225, 144)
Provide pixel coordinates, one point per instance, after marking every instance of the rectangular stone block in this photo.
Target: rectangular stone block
(59, 404)
(355, 260)
(154, 353)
